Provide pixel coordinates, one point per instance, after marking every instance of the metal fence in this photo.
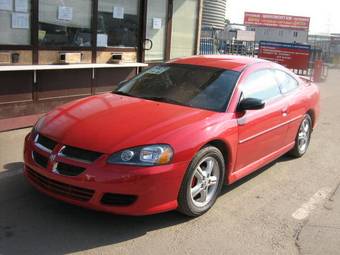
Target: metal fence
(208, 46)
(212, 46)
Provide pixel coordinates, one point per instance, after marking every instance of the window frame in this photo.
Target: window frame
(64, 48)
(269, 100)
(140, 17)
(34, 46)
(24, 46)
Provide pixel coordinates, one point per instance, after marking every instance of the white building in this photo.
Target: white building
(277, 27)
(274, 34)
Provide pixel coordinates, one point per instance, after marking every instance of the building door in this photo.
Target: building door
(155, 32)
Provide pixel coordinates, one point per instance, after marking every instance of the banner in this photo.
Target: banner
(292, 56)
(276, 20)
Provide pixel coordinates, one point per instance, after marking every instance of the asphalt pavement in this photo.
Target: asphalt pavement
(292, 206)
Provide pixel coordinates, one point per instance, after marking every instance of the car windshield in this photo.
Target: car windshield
(189, 85)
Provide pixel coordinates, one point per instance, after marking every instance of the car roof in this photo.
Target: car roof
(228, 62)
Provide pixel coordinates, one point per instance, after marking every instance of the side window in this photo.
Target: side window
(261, 85)
(286, 82)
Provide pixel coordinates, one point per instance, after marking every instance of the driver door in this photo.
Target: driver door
(261, 132)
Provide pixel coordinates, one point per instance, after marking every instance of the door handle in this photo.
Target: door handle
(284, 112)
(148, 41)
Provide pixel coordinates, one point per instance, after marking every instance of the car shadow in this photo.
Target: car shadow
(32, 223)
(227, 188)
(13, 166)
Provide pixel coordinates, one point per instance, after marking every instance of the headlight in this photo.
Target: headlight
(151, 155)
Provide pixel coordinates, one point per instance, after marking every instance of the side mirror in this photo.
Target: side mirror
(250, 104)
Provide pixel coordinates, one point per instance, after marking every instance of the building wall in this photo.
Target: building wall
(230, 31)
(279, 35)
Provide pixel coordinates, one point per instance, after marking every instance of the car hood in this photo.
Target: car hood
(109, 122)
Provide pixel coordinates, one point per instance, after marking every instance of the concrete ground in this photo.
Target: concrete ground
(291, 206)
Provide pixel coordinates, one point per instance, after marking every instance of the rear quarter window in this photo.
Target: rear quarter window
(286, 82)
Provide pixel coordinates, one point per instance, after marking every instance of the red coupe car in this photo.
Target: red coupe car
(172, 136)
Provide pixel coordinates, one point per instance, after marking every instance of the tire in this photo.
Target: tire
(199, 189)
(303, 137)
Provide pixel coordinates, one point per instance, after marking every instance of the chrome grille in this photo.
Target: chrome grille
(79, 154)
(67, 170)
(44, 143)
(71, 161)
(40, 159)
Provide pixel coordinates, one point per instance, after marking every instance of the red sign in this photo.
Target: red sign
(276, 20)
(292, 56)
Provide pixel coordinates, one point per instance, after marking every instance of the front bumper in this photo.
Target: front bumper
(155, 188)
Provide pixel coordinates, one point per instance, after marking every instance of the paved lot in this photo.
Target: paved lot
(289, 207)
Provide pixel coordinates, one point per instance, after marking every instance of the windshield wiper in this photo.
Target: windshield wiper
(163, 99)
(121, 93)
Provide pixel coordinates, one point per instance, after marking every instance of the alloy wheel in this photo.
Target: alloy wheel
(304, 135)
(204, 182)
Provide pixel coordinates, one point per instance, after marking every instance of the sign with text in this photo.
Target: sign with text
(293, 56)
(65, 13)
(118, 12)
(21, 5)
(20, 20)
(276, 20)
(157, 23)
(6, 5)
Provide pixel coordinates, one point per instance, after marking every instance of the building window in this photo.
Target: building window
(15, 23)
(281, 33)
(252, 29)
(65, 23)
(184, 23)
(295, 34)
(117, 23)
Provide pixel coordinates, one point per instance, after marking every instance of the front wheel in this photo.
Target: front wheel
(202, 182)
(303, 137)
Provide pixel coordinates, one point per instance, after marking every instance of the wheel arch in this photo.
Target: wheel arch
(226, 151)
(311, 113)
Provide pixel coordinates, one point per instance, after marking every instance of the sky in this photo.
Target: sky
(325, 14)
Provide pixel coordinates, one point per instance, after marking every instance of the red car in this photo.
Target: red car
(172, 136)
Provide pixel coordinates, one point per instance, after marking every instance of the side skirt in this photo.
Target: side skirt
(235, 176)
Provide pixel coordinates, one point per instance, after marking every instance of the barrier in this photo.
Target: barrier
(207, 46)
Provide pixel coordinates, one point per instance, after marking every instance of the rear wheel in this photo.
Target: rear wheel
(202, 182)
(303, 137)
